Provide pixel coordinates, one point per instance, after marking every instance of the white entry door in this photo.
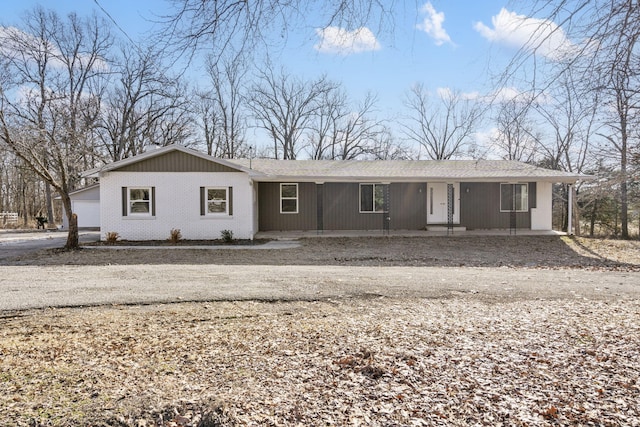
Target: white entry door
(438, 202)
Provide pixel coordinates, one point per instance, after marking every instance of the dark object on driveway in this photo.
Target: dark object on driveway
(42, 220)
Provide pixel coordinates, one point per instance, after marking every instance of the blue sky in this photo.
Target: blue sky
(460, 45)
(453, 54)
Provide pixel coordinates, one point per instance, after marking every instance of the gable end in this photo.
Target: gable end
(176, 161)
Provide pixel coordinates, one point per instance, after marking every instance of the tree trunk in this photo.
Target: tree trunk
(594, 210)
(49, 200)
(576, 211)
(565, 209)
(624, 208)
(615, 226)
(624, 220)
(73, 241)
(25, 212)
(72, 238)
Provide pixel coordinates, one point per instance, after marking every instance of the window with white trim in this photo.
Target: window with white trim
(140, 201)
(217, 201)
(514, 197)
(371, 198)
(288, 198)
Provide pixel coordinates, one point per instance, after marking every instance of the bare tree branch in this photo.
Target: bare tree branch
(444, 130)
(515, 138)
(49, 104)
(144, 106)
(225, 25)
(284, 106)
(604, 58)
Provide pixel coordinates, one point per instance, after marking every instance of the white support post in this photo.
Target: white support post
(570, 211)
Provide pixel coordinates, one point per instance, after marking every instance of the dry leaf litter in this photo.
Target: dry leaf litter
(453, 361)
(369, 362)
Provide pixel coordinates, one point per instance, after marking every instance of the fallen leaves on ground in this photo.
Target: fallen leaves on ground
(368, 361)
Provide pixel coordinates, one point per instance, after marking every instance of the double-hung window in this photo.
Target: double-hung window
(514, 197)
(371, 198)
(217, 201)
(140, 200)
(288, 198)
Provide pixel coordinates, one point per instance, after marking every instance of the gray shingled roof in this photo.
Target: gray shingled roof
(401, 170)
(372, 170)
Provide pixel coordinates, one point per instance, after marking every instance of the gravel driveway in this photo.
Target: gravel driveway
(13, 243)
(34, 287)
(499, 268)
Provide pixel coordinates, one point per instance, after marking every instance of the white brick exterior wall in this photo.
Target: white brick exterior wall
(177, 205)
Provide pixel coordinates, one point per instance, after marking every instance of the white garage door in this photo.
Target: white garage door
(88, 212)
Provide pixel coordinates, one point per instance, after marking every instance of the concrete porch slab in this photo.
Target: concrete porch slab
(292, 235)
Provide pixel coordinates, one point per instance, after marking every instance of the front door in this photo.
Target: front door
(442, 199)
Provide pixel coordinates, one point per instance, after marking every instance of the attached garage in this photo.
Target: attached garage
(86, 204)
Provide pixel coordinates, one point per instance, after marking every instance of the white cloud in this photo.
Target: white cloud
(485, 137)
(448, 93)
(519, 31)
(432, 25)
(339, 41)
(15, 43)
(512, 94)
(506, 94)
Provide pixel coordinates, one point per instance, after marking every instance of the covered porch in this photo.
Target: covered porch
(291, 235)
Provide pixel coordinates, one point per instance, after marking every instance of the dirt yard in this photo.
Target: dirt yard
(372, 361)
(456, 251)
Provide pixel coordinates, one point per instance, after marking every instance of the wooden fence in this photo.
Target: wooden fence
(8, 218)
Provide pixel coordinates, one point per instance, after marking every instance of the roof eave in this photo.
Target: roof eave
(320, 179)
(96, 172)
(91, 173)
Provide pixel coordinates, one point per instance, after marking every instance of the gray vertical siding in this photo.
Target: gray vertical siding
(340, 207)
(480, 207)
(320, 206)
(270, 218)
(340, 204)
(408, 206)
(176, 161)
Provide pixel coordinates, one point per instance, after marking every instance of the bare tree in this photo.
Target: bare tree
(222, 25)
(360, 131)
(144, 105)
(605, 59)
(443, 129)
(516, 138)
(174, 126)
(625, 104)
(207, 118)
(221, 110)
(323, 130)
(50, 105)
(340, 132)
(283, 105)
(385, 147)
(570, 112)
